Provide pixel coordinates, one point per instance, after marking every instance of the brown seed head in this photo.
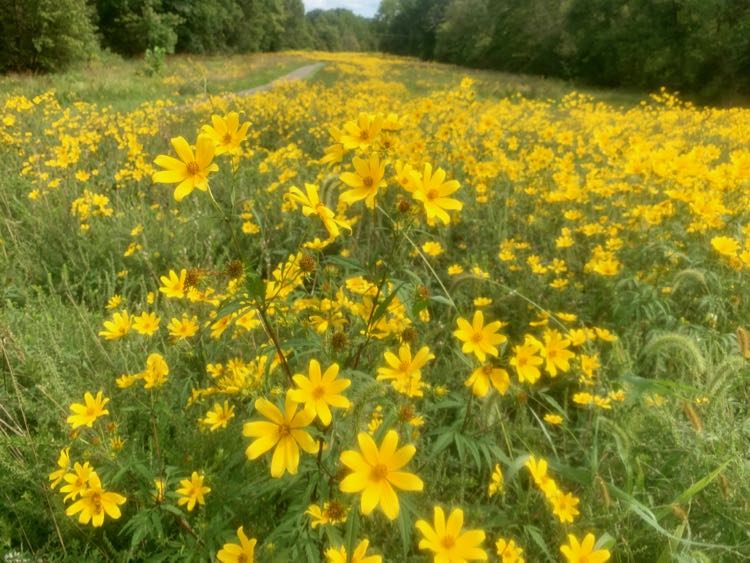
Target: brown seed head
(234, 269)
(409, 335)
(339, 341)
(192, 278)
(307, 263)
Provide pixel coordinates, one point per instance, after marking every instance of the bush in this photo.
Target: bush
(45, 34)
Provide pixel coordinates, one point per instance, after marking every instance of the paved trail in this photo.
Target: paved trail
(298, 74)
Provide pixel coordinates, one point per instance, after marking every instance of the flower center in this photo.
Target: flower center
(91, 410)
(284, 430)
(476, 337)
(364, 135)
(379, 472)
(96, 501)
(227, 138)
(367, 181)
(318, 392)
(448, 542)
(433, 194)
(193, 168)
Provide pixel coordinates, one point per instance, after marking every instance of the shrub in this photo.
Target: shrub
(45, 34)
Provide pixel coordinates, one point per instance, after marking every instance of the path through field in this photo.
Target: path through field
(300, 73)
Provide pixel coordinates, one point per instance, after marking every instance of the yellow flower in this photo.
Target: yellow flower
(726, 246)
(508, 551)
(191, 170)
(192, 491)
(448, 542)
(604, 334)
(155, 374)
(375, 473)
(480, 379)
(317, 392)
(114, 302)
(160, 490)
(285, 432)
(564, 506)
(181, 329)
(339, 555)
(455, 270)
(361, 133)
(219, 416)
(78, 481)
(332, 513)
(478, 338)
(365, 181)
(480, 302)
(433, 248)
(555, 419)
(538, 470)
(526, 361)
(405, 372)
(311, 205)
(63, 464)
(146, 323)
(498, 481)
(116, 328)
(243, 552)
(174, 285)
(86, 414)
(95, 502)
(227, 134)
(555, 353)
(584, 552)
(432, 191)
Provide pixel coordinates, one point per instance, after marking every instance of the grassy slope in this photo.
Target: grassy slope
(124, 84)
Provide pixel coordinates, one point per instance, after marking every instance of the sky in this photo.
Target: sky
(365, 8)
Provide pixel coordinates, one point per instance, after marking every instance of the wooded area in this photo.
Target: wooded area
(51, 34)
(700, 47)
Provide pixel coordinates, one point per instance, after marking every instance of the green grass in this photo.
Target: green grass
(125, 84)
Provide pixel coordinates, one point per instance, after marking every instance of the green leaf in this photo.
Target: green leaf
(693, 490)
(536, 536)
(352, 530)
(443, 441)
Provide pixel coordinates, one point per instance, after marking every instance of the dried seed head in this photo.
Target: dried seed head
(234, 269)
(335, 510)
(423, 291)
(307, 263)
(679, 512)
(409, 335)
(192, 278)
(339, 341)
(404, 206)
(406, 413)
(743, 339)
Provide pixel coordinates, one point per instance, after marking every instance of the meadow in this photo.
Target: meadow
(399, 311)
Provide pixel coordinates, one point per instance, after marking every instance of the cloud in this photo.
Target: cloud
(365, 8)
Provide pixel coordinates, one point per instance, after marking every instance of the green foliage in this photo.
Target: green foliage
(340, 30)
(696, 46)
(44, 34)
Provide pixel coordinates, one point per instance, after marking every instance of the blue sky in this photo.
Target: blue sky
(365, 8)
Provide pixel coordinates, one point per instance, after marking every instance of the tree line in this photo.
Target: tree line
(699, 47)
(49, 35)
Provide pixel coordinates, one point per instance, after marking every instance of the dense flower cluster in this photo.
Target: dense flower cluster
(375, 288)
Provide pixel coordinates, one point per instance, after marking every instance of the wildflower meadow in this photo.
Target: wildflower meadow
(396, 311)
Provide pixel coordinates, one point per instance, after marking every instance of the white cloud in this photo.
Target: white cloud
(365, 8)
